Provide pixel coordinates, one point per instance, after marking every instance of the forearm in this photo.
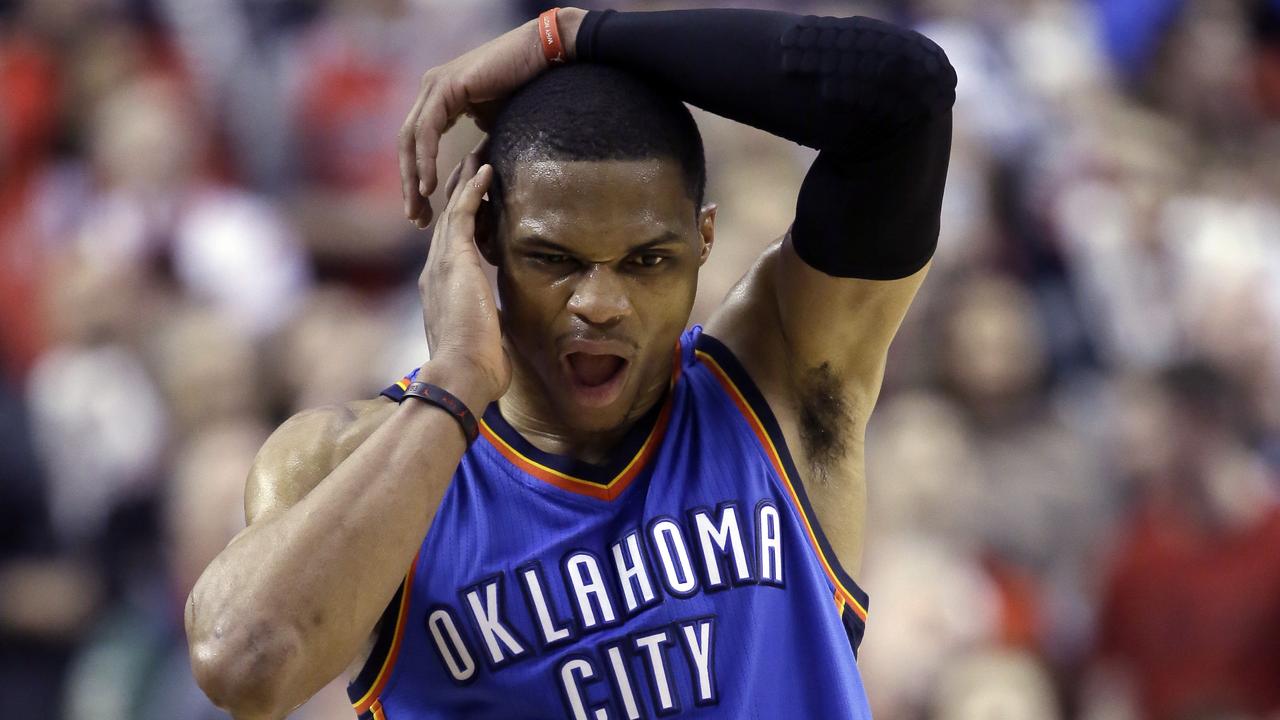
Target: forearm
(830, 83)
(288, 605)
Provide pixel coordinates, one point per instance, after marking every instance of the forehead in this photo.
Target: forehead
(598, 199)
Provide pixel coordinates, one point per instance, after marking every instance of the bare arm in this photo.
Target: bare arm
(339, 501)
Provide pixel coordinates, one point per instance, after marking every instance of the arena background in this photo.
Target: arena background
(1073, 468)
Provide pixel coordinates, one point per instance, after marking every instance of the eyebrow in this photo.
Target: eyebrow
(538, 242)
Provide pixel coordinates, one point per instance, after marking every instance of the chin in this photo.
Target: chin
(595, 419)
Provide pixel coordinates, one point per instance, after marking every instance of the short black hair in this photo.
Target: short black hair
(594, 112)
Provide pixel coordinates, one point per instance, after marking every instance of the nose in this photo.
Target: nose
(600, 297)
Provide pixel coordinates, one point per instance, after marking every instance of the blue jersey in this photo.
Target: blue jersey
(688, 576)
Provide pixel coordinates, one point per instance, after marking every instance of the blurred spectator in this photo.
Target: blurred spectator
(28, 94)
(102, 449)
(349, 80)
(46, 600)
(1042, 498)
(133, 666)
(328, 355)
(207, 371)
(1191, 613)
(995, 685)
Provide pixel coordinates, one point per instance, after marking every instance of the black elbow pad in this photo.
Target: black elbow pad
(893, 75)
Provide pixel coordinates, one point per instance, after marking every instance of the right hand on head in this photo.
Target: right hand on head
(461, 315)
(471, 83)
(464, 85)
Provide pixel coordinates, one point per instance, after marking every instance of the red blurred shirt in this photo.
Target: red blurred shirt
(1195, 616)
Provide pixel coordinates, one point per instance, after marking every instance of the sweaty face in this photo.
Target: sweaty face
(598, 264)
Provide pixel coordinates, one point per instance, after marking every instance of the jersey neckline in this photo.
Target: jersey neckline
(604, 481)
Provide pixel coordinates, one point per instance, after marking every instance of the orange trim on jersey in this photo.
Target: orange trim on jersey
(605, 491)
(378, 712)
(675, 366)
(370, 700)
(843, 596)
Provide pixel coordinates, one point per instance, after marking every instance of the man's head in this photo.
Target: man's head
(598, 230)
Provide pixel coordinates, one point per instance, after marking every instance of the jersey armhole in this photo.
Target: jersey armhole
(850, 600)
(372, 679)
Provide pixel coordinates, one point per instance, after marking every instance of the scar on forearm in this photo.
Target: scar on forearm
(826, 420)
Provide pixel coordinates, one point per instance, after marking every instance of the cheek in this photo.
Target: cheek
(665, 306)
(677, 293)
(530, 308)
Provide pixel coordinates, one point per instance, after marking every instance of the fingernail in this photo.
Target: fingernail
(422, 188)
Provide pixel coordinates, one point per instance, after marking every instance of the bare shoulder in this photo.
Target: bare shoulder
(305, 449)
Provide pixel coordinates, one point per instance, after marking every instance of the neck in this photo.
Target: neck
(527, 408)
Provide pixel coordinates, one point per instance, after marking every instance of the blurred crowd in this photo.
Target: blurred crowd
(1074, 467)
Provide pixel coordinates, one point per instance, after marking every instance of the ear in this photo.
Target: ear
(707, 229)
(487, 232)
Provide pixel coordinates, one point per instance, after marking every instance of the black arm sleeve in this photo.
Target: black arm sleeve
(875, 100)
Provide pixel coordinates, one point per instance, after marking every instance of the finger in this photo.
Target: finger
(458, 235)
(415, 206)
(469, 167)
(465, 169)
(476, 152)
(433, 121)
(450, 186)
(423, 218)
(407, 153)
(484, 222)
(409, 177)
(458, 219)
(467, 202)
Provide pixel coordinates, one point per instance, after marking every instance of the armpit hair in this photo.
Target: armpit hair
(826, 420)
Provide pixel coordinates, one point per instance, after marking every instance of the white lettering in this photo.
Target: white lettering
(495, 634)
(547, 625)
(453, 651)
(653, 644)
(584, 575)
(619, 666)
(677, 570)
(769, 532)
(632, 574)
(573, 692)
(728, 536)
(697, 639)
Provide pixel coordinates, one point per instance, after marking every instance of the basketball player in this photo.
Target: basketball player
(578, 508)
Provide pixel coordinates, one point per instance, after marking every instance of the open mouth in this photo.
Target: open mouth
(596, 379)
(593, 370)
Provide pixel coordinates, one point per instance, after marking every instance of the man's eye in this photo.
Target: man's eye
(649, 260)
(551, 258)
